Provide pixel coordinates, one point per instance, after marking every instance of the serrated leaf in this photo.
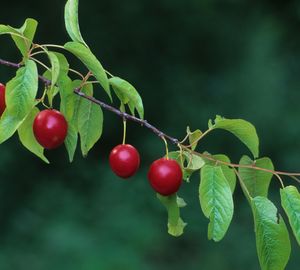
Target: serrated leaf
(181, 159)
(216, 201)
(27, 137)
(51, 93)
(272, 237)
(290, 201)
(257, 182)
(194, 136)
(72, 21)
(67, 97)
(29, 28)
(175, 155)
(90, 123)
(8, 126)
(127, 95)
(20, 99)
(242, 129)
(62, 69)
(172, 204)
(21, 91)
(91, 62)
(87, 89)
(188, 162)
(228, 172)
(71, 141)
(57, 74)
(27, 31)
(69, 107)
(63, 64)
(55, 69)
(193, 163)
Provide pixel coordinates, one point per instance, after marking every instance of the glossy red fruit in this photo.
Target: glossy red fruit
(165, 176)
(2, 99)
(50, 128)
(124, 160)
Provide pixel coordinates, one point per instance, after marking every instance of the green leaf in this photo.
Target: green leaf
(24, 35)
(76, 101)
(272, 237)
(227, 171)
(127, 95)
(193, 163)
(178, 229)
(172, 204)
(181, 202)
(5, 29)
(188, 162)
(51, 91)
(216, 201)
(67, 96)
(290, 201)
(20, 98)
(181, 159)
(27, 137)
(8, 125)
(55, 69)
(69, 107)
(176, 156)
(72, 22)
(58, 74)
(29, 28)
(71, 141)
(242, 129)
(257, 182)
(90, 123)
(91, 62)
(193, 137)
(63, 65)
(21, 91)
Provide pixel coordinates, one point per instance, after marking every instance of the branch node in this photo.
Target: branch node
(160, 134)
(143, 123)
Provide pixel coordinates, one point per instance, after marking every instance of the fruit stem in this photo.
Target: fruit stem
(124, 131)
(39, 62)
(108, 73)
(42, 99)
(166, 144)
(181, 155)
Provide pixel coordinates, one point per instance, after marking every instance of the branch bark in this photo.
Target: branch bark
(154, 129)
(106, 106)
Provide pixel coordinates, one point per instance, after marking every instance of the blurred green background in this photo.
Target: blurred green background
(190, 60)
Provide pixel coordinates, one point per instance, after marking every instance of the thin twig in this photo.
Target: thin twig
(233, 165)
(140, 121)
(127, 116)
(295, 178)
(242, 183)
(159, 133)
(107, 107)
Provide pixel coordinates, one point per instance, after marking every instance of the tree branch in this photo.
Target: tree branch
(155, 130)
(105, 106)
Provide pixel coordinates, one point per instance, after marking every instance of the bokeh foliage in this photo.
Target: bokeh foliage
(189, 60)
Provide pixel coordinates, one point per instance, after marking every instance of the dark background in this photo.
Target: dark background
(190, 60)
